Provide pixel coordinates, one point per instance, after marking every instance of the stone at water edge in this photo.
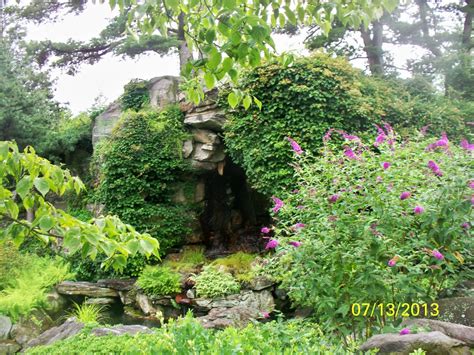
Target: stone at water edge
(433, 342)
(100, 300)
(5, 327)
(117, 284)
(459, 310)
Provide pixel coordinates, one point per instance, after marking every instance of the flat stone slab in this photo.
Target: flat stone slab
(453, 330)
(212, 120)
(82, 288)
(432, 342)
(121, 330)
(68, 329)
(117, 284)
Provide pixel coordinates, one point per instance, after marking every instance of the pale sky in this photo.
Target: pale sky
(107, 77)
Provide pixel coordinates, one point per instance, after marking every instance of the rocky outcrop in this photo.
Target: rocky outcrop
(105, 122)
(67, 329)
(226, 317)
(433, 343)
(163, 90)
(87, 289)
(8, 347)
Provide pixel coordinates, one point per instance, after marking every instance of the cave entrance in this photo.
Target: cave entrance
(233, 212)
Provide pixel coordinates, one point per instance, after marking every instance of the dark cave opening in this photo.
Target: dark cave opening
(233, 212)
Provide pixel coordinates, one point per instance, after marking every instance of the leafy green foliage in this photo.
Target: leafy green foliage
(302, 102)
(238, 264)
(25, 181)
(213, 282)
(28, 286)
(396, 219)
(137, 167)
(135, 96)
(237, 33)
(187, 336)
(305, 100)
(159, 281)
(27, 110)
(88, 313)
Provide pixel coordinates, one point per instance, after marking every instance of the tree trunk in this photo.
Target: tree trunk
(467, 28)
(373, 47)
(431, 44)
(185, 54)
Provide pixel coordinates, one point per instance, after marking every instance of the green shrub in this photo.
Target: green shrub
(136, 169)
(136, 95)
(88, 313)
(302, 102)
(381, 226)
(27, 290)
(306, 99)
(187, 336)
(159, 281)
(213, 282)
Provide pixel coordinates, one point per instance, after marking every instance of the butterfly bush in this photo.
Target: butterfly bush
(385, 227)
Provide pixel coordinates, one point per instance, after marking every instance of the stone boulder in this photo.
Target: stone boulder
(163, 90)
(82, 288)
(66, 330)
(117, 284)
(121, 330)
(434, 343)
(105, 122)
(212, 119)
(456, 331)
(226, 317)
(458, 310)
(5, 327)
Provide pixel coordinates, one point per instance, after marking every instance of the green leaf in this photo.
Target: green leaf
(247, 101)
(257, 102)
(42, 185)
(147, 246)
(72, 240)
(46, 222)
(214, 59)
(3, 150)
(23, 186)
(209, 79)
(233, 100)
(229, 4)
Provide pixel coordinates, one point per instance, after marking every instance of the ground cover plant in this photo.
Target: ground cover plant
(187, 336)
(159, 281)
(396, 215)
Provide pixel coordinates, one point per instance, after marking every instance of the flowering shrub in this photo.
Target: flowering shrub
(391, 225)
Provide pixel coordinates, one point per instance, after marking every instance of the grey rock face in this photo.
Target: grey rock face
(69, 328)
(213, 120)
(121, 330)
(225, 317)
(163, 90)
(458, 310)
(117, 284)
(100, 300)
(105, 122)
(205, 136)
(433, 342)
(82, 288)
(208, 153)
(260, 282)
(5, 327)
(145, 304)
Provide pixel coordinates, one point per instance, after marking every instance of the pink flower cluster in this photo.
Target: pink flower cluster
(295, 146)
(435, 168)
(278, 204)
(385, 134)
